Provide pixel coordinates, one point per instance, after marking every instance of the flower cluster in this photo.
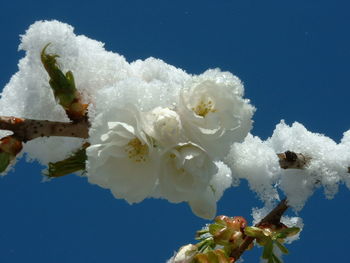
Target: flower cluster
(155, 131)
(172, 151)
(223, 240)
(217, 241)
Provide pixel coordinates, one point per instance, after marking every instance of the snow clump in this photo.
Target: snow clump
(156, 131)
(257, 162)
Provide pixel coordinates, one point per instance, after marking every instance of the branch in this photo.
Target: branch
(273, 218)
(28, 129)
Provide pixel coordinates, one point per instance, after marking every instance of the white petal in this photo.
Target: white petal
(204, 205)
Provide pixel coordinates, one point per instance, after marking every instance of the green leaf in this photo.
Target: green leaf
(63, 85)
(267, 252)
(70, 79)
(253, 231)
(201, 232)
(206, 245)
(215, 228)
(288, 232)
(276, 259)
(74, 163)
(283, 249)
(5, 159)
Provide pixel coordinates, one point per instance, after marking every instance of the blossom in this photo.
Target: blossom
(189, 174)
(122, 158)
(213, 112)
(164, 125)
(204, 204)
(185, 171)
(185, 254)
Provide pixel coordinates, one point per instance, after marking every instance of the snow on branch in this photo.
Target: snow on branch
(183, 131)
(148, 129)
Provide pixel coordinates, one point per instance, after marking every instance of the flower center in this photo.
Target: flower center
(204, 107)
(136, 150)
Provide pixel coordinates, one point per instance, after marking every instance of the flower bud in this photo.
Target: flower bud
(185, 254)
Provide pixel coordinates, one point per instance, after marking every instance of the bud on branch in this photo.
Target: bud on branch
(273, 218)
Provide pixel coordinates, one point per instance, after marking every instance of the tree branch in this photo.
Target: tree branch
(28, 129)
(274, 218)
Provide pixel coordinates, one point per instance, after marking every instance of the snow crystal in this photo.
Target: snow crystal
(257, 162)
(29, 95)
(327, 167)
(211, 109)
(221, 180)
(111, 86)
(254, 161)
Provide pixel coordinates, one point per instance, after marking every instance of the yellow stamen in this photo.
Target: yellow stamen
(136, 150)
(203, 108)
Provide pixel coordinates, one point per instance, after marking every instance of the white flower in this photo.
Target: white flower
(185, 254)
(214, 113)
(204, 204)
(186, 171)
(164, 125)
(121, 157)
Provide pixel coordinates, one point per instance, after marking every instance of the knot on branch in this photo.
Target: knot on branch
(292, 160)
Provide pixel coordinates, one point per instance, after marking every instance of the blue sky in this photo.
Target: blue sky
(293, 57)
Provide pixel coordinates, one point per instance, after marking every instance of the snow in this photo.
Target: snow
(255, 160)
(208, 110)
(196, 117)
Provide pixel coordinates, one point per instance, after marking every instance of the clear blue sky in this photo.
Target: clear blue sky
(294, 58)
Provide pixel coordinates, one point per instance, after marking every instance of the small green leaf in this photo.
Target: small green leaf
(253, 231)
(4, 161)
(267, 252)
(206, 244)
(70, 79)
(201, 232)
(63, 86)
(283, 249)
(276, 259)
(215, 228)
(291, 231)
(74, 163)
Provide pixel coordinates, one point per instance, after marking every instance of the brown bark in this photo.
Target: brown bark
(28, 129)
